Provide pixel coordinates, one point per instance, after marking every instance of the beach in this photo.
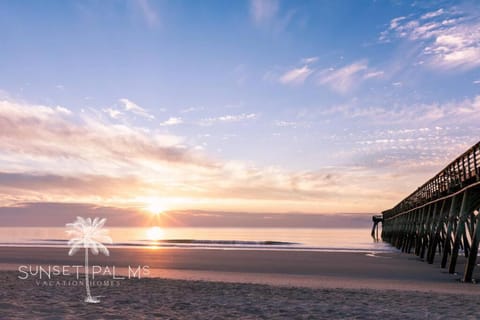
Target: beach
(255, 159)
(239, 284)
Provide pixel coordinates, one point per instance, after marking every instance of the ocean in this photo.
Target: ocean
(315, 239)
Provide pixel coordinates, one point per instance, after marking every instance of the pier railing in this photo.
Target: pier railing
(441, 216)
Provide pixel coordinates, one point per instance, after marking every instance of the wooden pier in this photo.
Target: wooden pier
(441, 218)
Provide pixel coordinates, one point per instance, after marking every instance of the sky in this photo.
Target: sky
(258, 106)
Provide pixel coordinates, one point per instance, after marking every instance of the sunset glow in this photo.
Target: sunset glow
(155, 207)
(308, 124)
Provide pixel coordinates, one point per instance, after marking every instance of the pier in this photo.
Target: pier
(440, 220)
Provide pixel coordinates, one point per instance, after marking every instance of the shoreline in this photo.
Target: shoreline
(392, 271)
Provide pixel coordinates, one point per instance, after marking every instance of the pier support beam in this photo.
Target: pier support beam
(459, 232)
(472, 258)
(451, 223)
(437, 225)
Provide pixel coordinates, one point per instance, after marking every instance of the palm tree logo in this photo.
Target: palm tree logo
(88, 234)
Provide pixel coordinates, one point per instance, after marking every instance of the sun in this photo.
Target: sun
(154, 233)
(155, 207)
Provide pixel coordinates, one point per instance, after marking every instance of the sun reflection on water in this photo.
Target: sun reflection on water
(154, 233)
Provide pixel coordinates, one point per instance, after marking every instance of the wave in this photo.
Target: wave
(180, 241)
(238, 242)
(204, 244)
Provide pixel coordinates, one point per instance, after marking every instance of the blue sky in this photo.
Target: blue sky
(309, 106)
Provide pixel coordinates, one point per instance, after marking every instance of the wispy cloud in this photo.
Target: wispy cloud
(466, 111)
(433, 14)
(47, 147)
(192, 109)
(172, 121)
(229, 118)
(283, 123)
(309, 60)
(346, 78)
(296, 75)
(56, 131)
(448, 39)
(290, 124)
(263, 11)
(393, 25)
(148, 12)
(134, 108)
(373, 74)
(113, 113)
(406, 140)
(341, 80)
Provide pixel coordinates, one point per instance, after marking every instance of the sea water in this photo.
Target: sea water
(316, 239)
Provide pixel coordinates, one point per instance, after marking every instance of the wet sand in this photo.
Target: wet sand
(241, 284)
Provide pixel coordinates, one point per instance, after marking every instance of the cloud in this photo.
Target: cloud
(409, 149)
(429, 113)
(395, 22)
(229, 118)
(448, 39)
(309, 60)
(403, 140)
(373, 74)
(34, 214)
(53, 136)
(282, 123)
(263, 11)
(341, 80)
(191, 109)
(296, 75)
(132, 107)
(172, 121)
(432, 14)
(348, 77)
(37, 186)
(56, 214)
(52, 154)
(150, 15)
(113, 113)
(290, 124)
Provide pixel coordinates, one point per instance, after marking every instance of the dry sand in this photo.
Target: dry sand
(242, 285)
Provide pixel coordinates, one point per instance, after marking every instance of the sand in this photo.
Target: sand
(230, 284)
